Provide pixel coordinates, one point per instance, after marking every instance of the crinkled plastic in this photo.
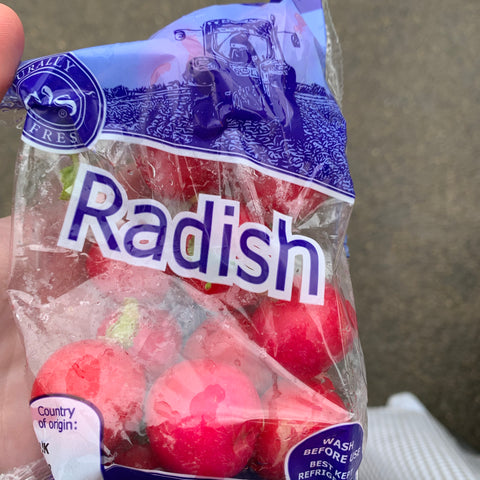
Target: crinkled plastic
(179, 273)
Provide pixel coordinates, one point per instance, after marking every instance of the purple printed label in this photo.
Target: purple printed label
(230, 82)
(241, 94)
(334, 453)
(308, 5)
(65, 105)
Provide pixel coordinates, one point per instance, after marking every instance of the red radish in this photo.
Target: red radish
(305, 339)
(288, 198)
(149, 334)
(139, 456)
(223, 341)
(137, 453)
(132, 181)
(239, 302)
(292, 413)
(105, 375)
(177, 177)
(203, 418)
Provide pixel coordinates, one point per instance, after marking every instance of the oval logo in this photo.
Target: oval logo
(333, 453)
(65, 104)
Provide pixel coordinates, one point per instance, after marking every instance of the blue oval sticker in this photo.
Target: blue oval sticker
(64, 102)
(334, 453)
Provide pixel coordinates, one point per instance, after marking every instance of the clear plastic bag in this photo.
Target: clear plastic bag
(179, 274)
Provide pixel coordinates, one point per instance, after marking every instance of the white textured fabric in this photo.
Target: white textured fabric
(406, 442)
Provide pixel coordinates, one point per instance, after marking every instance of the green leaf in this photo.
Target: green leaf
(67, 177)
(123, 331)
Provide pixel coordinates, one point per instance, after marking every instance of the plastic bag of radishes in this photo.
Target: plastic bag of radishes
(179, 273)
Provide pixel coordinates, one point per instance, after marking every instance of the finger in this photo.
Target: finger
(5, 227)
(11, 46)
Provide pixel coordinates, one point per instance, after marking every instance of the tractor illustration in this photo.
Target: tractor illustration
(242, 74)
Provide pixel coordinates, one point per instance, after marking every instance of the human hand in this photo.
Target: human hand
(18, 445)
(11, 46)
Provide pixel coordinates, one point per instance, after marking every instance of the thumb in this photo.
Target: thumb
(11, 46)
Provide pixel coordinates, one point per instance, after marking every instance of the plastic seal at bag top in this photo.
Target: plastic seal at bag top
(178, 272)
